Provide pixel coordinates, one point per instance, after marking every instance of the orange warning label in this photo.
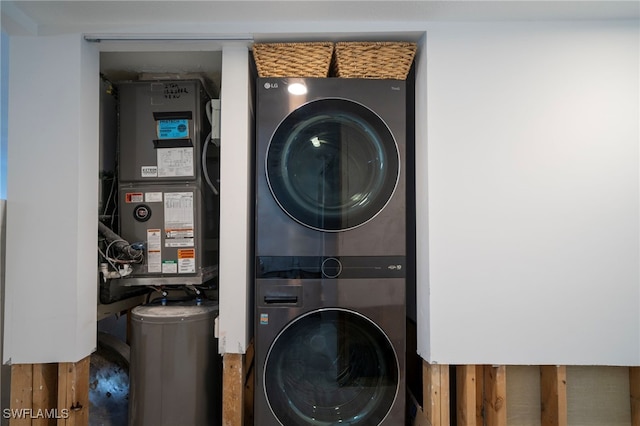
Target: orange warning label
(134, 197)
(186, 253)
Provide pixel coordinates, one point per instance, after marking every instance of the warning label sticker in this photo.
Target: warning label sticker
(169, 267)
(154, 250)
(186, 261)
(153, 197)
(178, 219)
(133, 197)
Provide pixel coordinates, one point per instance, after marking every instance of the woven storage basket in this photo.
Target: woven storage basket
(379, 60)
(293, 59)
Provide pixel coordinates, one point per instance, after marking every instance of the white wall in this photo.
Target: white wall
(533, 194)
(52, 196)
(236, 281)
(4, 110)
(528, 240)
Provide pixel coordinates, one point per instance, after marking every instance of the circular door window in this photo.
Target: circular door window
(332, 164)
(330, 367)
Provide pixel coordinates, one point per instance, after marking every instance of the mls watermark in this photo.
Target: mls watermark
(30, 413)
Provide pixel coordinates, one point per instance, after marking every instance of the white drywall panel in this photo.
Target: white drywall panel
(499, 281)
(533, 194)
(4, 110)
(52, 196)
(423, 300)
(235, 201)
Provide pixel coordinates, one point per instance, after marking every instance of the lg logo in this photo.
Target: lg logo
(268, 85)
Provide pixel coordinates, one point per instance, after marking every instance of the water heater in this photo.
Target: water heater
(175, 371)
(168, 169)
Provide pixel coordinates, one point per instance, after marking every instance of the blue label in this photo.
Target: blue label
(264, 319)
(173, 129)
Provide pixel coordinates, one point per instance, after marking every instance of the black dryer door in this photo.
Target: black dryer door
(332, 164)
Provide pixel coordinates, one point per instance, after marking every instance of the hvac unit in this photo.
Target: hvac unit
(168, 166)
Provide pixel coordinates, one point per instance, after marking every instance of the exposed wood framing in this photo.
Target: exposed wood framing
(73, 392)
(249, 383)
(21, 392)
(233, 382)
(479, 395)
(466, 391)
(50, 394)
(435, 383)
(495, 395)
(553, 395)
(45, 386)
(634, 387)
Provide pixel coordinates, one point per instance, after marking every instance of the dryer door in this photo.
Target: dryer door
(331, 366)
(332, 164)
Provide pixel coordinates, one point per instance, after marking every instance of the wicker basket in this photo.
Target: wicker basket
(379, 60)
(293, 59)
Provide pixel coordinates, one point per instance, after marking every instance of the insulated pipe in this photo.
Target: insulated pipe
(118, 242)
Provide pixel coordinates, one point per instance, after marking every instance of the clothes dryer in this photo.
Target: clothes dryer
(330, 178)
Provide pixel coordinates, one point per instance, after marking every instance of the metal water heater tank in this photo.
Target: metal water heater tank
(175, 370)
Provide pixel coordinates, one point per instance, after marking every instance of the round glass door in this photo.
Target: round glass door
(332, 164)
(331, 367)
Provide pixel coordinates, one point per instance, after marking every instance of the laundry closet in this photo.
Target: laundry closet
(332, 166)
(527, 201)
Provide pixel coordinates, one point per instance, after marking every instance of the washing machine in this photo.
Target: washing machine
(330, 352)
(330, 251)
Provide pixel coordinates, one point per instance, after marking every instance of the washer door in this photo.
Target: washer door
(332, 164)
(329, 367)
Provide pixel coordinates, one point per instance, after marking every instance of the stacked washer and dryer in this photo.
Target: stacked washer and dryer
(330, 247)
